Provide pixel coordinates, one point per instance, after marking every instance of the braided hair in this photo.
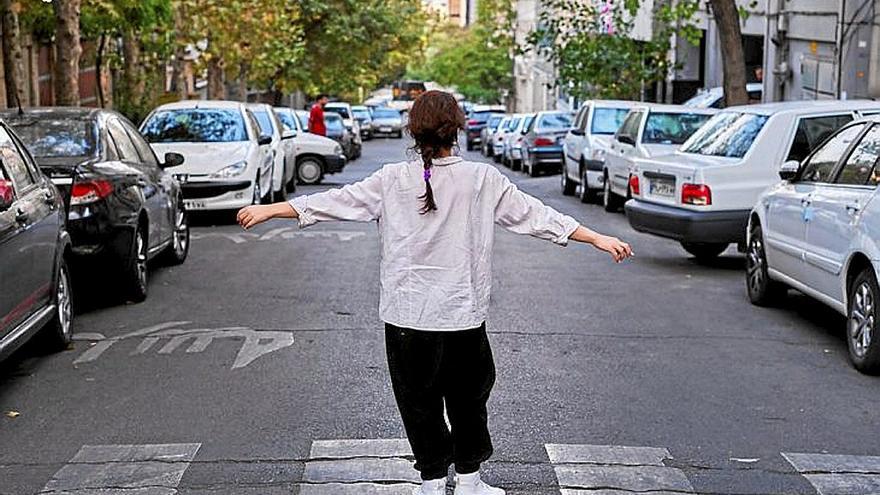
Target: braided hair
(434, 122)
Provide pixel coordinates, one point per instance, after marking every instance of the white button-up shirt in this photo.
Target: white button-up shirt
(436, 268)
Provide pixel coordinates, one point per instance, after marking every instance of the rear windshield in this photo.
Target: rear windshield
(386, 113)
(340, 110)
(333, 122)
(481, 116)
(554, 121)
(729, 134)
(703, 99)
(56, 137)
(195, 125)
(361, 113)
(607, 120)
(494, 121)
(671, 128)
(265, 122)
(512, 123)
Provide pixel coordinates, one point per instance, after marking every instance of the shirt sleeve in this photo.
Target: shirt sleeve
(358, 202)
(521, 213)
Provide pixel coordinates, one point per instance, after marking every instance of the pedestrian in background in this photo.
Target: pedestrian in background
(436, 218)
(316, 116)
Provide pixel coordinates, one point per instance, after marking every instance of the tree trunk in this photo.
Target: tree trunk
(13, 56)
(99, 69)
(69, 51)
(732, 57)
(242, 81)
(216, 83)
(131, 69)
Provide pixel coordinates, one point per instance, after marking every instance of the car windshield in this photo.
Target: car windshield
(195, 125)
(342, 111)
(303, 119)
(671, 128)
(361, 113)
(265, 122)
(49, 137)
(386, 113)
(729, 134)
(333, 122)
(607, 120)
(554, 121)
(493, 121)
(286, 119)
(512, 123)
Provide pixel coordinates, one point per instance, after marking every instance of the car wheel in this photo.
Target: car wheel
(568, 187)
(496, 158)
(761, 289)
(309, 171)
(57, 333)
(134, 274)
(533, 169)
(399, 134)
(176, 253)
(258, 192)
(587, 195)
(864, 350)
(704, 251)
(517, 165)
(609, 199)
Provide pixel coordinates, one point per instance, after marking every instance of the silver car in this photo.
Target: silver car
(387, 122)
(818, 231)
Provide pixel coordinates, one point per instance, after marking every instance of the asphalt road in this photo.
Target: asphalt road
(247, 359)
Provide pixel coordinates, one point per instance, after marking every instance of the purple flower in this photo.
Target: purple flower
(427, 175)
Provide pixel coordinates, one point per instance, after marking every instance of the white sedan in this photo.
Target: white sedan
(818, 231)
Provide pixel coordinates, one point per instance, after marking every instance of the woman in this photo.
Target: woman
(436, 221)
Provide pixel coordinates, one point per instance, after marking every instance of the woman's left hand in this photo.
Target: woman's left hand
(253, 215)
(618, 249)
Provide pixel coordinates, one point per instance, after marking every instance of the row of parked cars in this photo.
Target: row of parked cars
(791, 184)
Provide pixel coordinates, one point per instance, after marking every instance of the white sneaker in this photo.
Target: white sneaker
(471, 484)
(431, 487)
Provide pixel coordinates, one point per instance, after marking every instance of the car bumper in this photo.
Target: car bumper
(217, 195)
(334, 163)
(473, 135)
(386, 130)
(515, 154)
(595, 179)
(687, 225)
(95, 234)
(546, 155)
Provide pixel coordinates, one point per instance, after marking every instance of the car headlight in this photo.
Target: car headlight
(337, 149)
(233, 170)
(598, 154)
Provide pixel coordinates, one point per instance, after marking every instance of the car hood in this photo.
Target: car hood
(204, 158)
(312, 139)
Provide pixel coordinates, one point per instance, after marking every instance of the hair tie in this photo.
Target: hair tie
(427, 174)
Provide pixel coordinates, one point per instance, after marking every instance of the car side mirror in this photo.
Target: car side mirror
(626, 139)
(264, 139)
(173, 159)
(6, 195)
(789, 169)
(288, 134)
(577, 131)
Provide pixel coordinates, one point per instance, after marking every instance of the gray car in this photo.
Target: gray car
(387, 122)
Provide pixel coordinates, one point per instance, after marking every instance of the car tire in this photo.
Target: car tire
(176, 253)
(610, 201)
(862, 317)
(257, 191)
(761, 289)
(705, 251)
(134, 272)
(468, 145)
(496, 158)
(517, 165)
(399, 134)
(57, 334)
(533, 169)
(587, 194)
(309, 170)
(568, 187)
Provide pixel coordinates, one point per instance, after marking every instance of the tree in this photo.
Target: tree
(68, 51)
(13, 57)
(727, 18)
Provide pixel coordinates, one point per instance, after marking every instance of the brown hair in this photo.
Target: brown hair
(434, 122)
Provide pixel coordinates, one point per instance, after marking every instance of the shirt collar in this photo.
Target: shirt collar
(446, 160)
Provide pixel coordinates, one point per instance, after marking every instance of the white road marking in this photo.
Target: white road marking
(256, 343)
(833, 474)
(123, 470)
(281, 233)
(355, 467)
(614, 469)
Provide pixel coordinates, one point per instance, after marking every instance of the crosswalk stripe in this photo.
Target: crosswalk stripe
(124, 469)
(612, 469)
(834, 474)
(392, 447)
(359, 467)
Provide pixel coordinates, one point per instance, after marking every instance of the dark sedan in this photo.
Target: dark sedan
(337, 131)
(123, 209)
(476, 121)
(542, 143)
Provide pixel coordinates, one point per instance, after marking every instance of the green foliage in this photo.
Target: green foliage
(588, 43)
(477, 61)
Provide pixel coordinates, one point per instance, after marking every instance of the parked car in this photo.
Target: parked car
(303, 117)
(337, 131)
(487, 133)
(228, 163)
(818, 231)
(387, 122)
(316, 155)
(647, 131)
(283, 150)
(714, 97)
(702, 194)
(123, 208)
(351, 124)
(511, 153)
(35, 289)
(365, 120)
(476, 121)
(498, 137)
(542, 142)
(587, 142)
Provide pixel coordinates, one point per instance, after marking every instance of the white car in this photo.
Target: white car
(348, 119)
(586, 143)
(702, 194)
(648, 130)
(315, 155)
(818, 231)
(227, 163)
(714, 97)
(511, 148)
(497, 137)
(283, 150)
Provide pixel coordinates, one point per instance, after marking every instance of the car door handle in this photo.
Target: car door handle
(48, 196)
(142, 182)
(806, 202)
(853, 208)
(21, 216)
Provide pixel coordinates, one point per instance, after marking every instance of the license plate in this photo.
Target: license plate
(661, 187)
(384, 129)
(194, 205)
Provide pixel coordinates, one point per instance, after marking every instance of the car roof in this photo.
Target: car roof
(69, 112)
(666, 108)
(615, 103)
(201, 104)
(255, 105)
(805, 106)
(359, 107)
(337, 104)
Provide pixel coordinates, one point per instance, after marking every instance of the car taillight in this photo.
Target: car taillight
(472, 122)
(696, 194)
(544, 141)
(634, 185)
(90, 191)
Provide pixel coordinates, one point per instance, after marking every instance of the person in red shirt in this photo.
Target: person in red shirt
(316, 116)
